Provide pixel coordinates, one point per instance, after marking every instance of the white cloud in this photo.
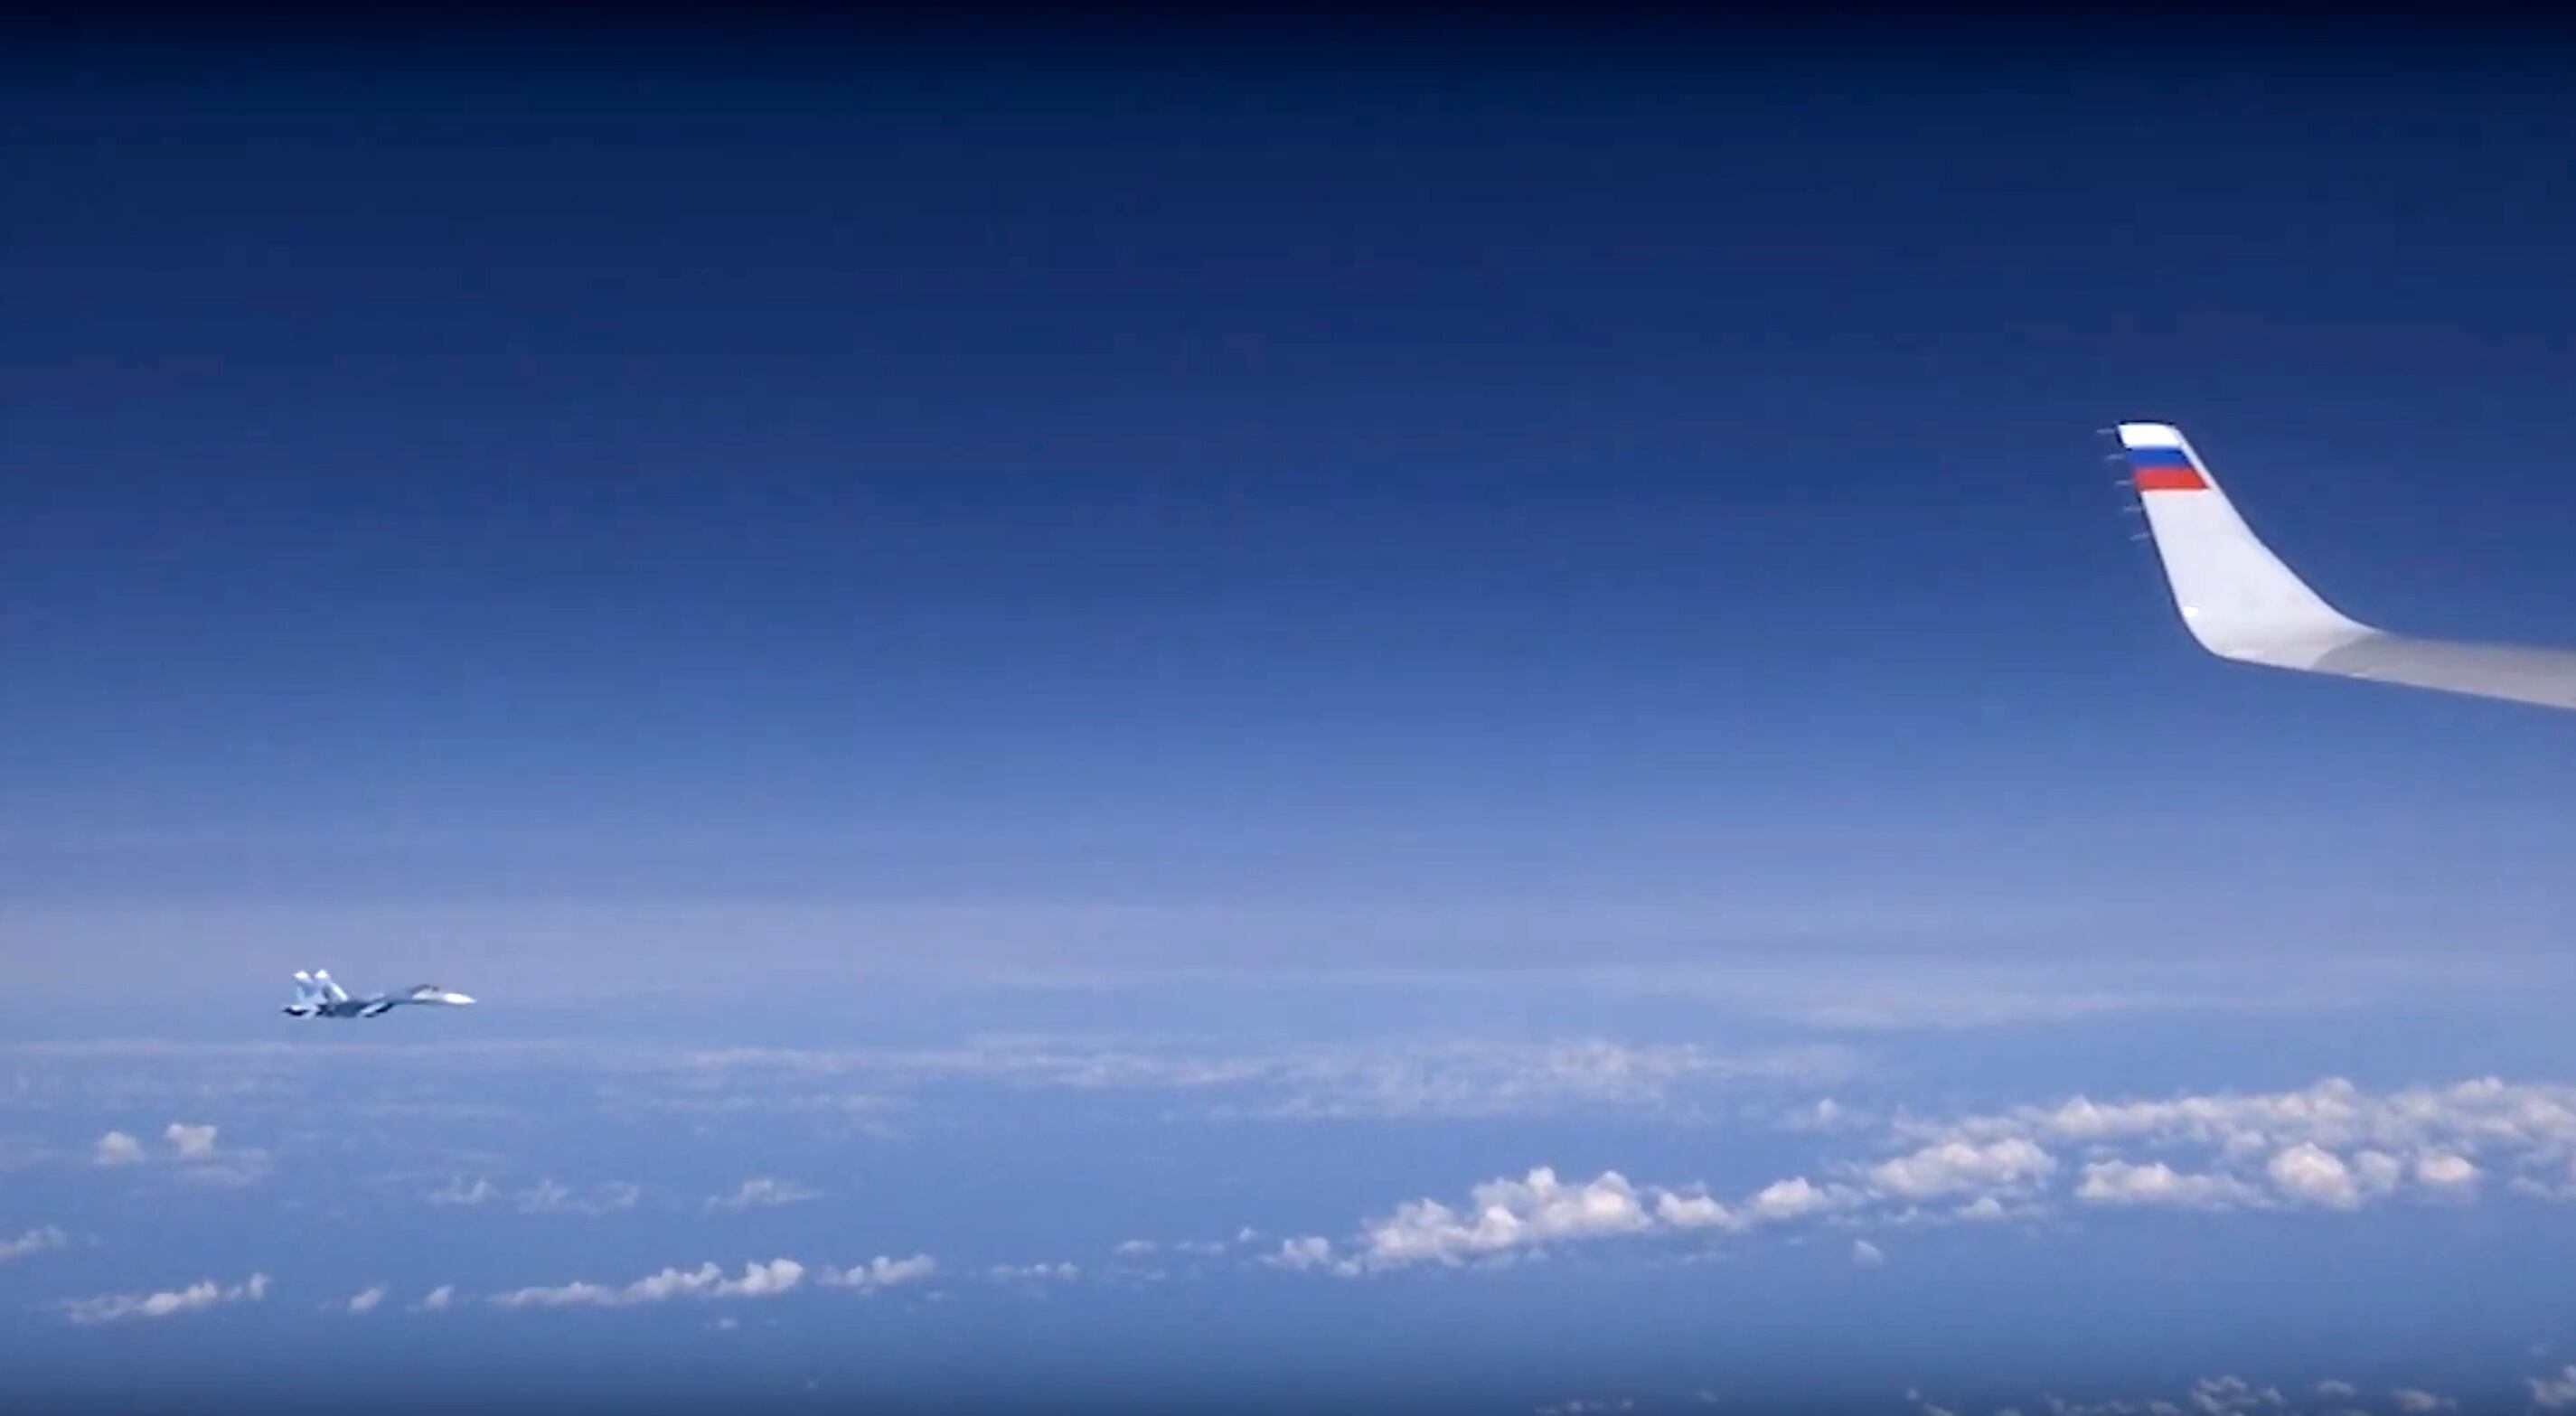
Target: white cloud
(1954, 1166)
(1581, 1406)
(123, 1307)
(460, 1193)
(1503, 1215)
(34, 1241)
(368, 1301)
(2544, 1187)
(2333, 1390)
(1867, 1254)
(1689, 1211)
(1795, 1198)
(763, 1193)
(2119, 1182)
(1826, 1114)
(193, 1149)
(2420, 1403)
(2486, 1116)
(1034, 1273)
(2307, 1173)
(1138, 1248)
(548, 1197)
(440, 1299)
(2443, 1171)
(758, 1280)
(1505, 1218)
(2225, 1396)
(2556, 1393)
(1451, 1079)
(2330, 1146)
(881, 1272)
(1309, 1252)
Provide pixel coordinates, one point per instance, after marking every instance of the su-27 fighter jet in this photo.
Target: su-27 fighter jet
(316, 996)
(2242, 603)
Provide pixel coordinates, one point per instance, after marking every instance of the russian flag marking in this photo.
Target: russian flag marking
(2169, 479)
(2164, 469)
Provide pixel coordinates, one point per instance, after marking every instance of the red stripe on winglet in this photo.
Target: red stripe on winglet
(2170, 479)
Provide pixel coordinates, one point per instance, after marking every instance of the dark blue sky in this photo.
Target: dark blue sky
(1226, 448)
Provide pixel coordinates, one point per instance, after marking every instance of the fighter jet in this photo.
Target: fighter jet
(316, 996)
(2242, 603)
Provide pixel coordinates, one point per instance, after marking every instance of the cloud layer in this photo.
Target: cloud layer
(125, 1307)
(2332, 1146)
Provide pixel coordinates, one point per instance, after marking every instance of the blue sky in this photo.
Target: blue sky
(1027, 647)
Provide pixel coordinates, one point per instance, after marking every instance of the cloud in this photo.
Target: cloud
(2415, 1402)
(1504, 1215)
(1137, 1248)
(1867, 1254)
(1826, 1114)
(1446, 1079)
(2120, 1182)
(758, 1280)
(123, 1307)
(1310, 1252)
(368, 1301)
(193, 1149)
(2331, 1146)
(2225, 1396)
(1034, 1273)
(2556, 1393)
(2544, 1187)
(440, 1299)
(880, 1272)
(1464, 1079)
(458, 1192)
(1794, 1198)
(548, 1197)
(2310, 1174)
(1957, 1166)
(2333, 1390)
(34, 1241)
(763, 1193)
(2442, 1171)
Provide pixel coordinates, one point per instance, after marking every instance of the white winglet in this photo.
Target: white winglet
(2242, 603)
(2236, 597)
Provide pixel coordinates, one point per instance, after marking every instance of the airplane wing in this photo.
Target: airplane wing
(2242, 603)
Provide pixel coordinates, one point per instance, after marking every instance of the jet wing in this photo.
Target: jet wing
(2240, 602)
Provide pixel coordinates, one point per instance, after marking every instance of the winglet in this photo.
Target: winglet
(2236, 597)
